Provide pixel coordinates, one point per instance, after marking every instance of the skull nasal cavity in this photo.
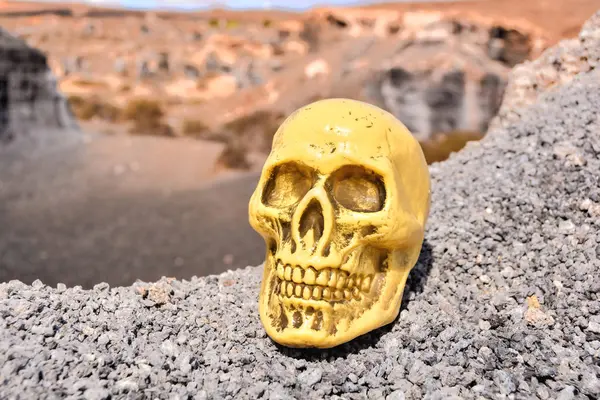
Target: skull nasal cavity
(312, 218)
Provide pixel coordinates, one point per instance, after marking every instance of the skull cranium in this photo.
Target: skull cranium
(341, 203)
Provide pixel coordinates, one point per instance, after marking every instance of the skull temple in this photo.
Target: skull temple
(341, 203)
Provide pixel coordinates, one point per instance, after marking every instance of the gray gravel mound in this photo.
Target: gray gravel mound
(503, 303)
(555, 67)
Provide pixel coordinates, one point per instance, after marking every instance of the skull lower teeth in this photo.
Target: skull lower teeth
(329, 284)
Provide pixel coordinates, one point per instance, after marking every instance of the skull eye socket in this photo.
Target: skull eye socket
(287, 185)
(358, 189)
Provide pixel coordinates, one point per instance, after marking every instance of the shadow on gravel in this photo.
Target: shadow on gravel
(415, 284)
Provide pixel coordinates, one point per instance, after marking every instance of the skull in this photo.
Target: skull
(342, 203)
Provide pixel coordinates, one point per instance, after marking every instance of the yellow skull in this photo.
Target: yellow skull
(341, 203)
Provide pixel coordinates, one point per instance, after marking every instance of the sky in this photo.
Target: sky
(233, 4)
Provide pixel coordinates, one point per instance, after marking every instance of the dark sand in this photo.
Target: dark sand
(117, 209)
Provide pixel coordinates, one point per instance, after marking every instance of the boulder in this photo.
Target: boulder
(441, 83)
(29, 98)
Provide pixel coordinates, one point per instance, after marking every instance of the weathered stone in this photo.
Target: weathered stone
(452, 87)
(29, 97)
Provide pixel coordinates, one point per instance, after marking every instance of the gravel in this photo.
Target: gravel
(556, 66)
(504, 302)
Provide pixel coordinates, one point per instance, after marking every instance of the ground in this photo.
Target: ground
(133, 208)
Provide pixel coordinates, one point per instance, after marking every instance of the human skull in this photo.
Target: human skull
(341, 203)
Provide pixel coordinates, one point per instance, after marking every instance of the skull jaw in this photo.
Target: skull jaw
(379, 310)
(305, 338)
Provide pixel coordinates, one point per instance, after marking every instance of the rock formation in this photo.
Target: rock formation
(441, 75)
(557, 66)
(29, 99)
(437, 73)
(448, 74)
(450, 88)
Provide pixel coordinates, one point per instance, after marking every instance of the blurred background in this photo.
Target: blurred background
(132, 133)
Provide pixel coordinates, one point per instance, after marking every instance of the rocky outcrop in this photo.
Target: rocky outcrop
(448, 74)
(438, 88)
(441, 76)
(558, 65)
(438, 74)
(29, 98)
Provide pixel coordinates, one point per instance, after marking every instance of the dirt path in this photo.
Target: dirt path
(120, 208)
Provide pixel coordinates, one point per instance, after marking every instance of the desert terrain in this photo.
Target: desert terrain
(232, 77)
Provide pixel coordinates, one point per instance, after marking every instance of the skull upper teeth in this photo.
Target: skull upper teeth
(323, 277)
(288, 273)
(297, 275)
(326, 284)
